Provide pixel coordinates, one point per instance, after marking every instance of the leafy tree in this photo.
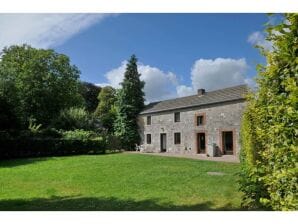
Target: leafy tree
(73, 118)
(130, 102)
(90, 92)
(269, 127)
(106, 111)
(43, 83)
(8, 119)
(8, 106)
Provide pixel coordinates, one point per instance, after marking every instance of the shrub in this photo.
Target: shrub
(8, 118)
(113, 143)
(50, 133)
(269, 126)
(73, 118)
(36, 147)
(80, 135)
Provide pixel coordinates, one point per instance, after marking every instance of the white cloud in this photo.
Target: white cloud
(206, 73)
(183, 90)
(43, 30)
(159, 85)
(258, 38)
(215, 74)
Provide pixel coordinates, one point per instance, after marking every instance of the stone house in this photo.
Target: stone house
(205, 123)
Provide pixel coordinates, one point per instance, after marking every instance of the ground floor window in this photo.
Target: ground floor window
(148, 138)
(177, 138)
(227, 142)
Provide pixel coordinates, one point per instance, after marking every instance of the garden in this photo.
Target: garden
(56, 130)
(117, 182)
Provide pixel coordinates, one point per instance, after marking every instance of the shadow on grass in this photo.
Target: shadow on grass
(103, 204)
(20, 162)
(7, 163)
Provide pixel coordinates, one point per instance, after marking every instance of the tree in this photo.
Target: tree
(106, 111)
(8, 119)
(73, 118)
(269, 127)
(90, 92)
(44, 83)
(130, 102)
(9, 108)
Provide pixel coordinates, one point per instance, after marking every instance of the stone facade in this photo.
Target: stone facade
(217, 118)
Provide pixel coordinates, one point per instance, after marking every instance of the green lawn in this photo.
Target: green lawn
(117, 182)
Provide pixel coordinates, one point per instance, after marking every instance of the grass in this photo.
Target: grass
(117, 182)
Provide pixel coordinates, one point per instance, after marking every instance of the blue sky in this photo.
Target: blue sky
(171, 42)
(177, 52)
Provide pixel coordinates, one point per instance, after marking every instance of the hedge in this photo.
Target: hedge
(38, 147)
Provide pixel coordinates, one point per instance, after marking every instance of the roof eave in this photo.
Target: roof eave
(185, 107)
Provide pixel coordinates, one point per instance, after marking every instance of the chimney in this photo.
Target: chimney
(201, 92)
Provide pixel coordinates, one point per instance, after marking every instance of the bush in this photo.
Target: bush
(73, 118)
(269, 126)
(80, 135)
(113, 143)
(50, 142)
(8, 119)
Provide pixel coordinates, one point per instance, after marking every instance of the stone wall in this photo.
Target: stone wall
(219, 117)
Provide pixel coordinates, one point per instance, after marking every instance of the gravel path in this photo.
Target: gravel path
(225, 158)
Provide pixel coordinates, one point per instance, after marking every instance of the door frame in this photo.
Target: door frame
(161, 149)
(233, 130)
(197, 142)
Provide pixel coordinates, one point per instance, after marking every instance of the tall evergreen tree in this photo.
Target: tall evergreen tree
(130, 102)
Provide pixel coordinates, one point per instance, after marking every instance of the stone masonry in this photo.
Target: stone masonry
(219, 117)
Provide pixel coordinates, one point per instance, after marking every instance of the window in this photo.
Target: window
(200, 120)
(177, 117)
(148, 120)
(148, 138)
(177, 138)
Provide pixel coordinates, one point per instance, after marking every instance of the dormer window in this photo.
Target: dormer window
(177, 117)
(148, 120)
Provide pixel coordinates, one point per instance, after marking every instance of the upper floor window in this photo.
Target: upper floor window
(148, 138)
(177, 138)
(177, 117)
(148, 120)
(200, 120)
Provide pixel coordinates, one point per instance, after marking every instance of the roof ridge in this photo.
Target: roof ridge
(207, 92)
(216, 96)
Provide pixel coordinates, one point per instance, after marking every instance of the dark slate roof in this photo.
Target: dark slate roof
(217, 96)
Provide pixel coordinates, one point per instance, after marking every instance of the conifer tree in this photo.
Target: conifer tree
(130, 102)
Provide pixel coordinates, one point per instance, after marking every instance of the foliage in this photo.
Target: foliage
(50, 143)
(113, 142)
(106, 110)
(130, 102)
(38, 83)
(8, 118)
(73, 118)
(80, 135)
(269, 128)
(90, 92)
(33, 127)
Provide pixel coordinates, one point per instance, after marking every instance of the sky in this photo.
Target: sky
(177, 53)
